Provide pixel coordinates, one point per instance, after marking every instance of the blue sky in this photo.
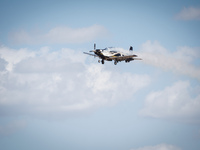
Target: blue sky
(52, 96)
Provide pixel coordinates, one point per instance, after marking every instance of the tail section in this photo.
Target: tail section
(131, 48)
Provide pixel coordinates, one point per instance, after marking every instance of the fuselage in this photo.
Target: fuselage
(111, 52)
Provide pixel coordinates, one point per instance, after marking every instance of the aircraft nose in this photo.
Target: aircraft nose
(97, 50)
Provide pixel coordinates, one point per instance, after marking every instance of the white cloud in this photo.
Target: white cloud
(159, 147)
(190, 13)
(57, 83)
(175, 102)
(3, 64)
(180, 61)
(60, 35)
(12, 56)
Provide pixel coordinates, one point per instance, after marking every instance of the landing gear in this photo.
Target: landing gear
(127, 61)
(115, 62)
(102, 61)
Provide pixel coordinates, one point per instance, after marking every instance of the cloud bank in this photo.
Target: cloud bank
(59, 83)
(181, 61)
(190, 13)
(181, 100)
(60, 35)
(174, 102)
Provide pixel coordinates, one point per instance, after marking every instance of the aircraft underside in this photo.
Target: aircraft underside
(115, 60)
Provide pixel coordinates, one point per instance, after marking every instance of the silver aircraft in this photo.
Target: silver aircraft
(111, 53)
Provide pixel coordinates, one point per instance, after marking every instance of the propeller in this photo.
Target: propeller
(94, 48)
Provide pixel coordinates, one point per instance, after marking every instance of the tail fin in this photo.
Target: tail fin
(131, 48)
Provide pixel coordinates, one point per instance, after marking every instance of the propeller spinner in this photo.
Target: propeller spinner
(94, 48)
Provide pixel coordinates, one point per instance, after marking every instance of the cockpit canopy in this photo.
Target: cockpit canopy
(108, 48)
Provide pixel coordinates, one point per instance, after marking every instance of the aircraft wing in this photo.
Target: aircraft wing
(137, 58)
(90, 54)
(124, 57)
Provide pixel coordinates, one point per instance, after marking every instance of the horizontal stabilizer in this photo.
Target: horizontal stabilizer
(137, 58)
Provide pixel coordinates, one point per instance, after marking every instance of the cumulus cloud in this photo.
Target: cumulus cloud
(11, 56)
(189, 13)
(175, 102)
(3, 64)
(159, 147)
(53, 83)
(181, 61)
(60, 35)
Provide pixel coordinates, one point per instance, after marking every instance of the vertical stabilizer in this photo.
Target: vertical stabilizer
(131, 48)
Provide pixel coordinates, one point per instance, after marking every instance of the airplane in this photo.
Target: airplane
(110, 54)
